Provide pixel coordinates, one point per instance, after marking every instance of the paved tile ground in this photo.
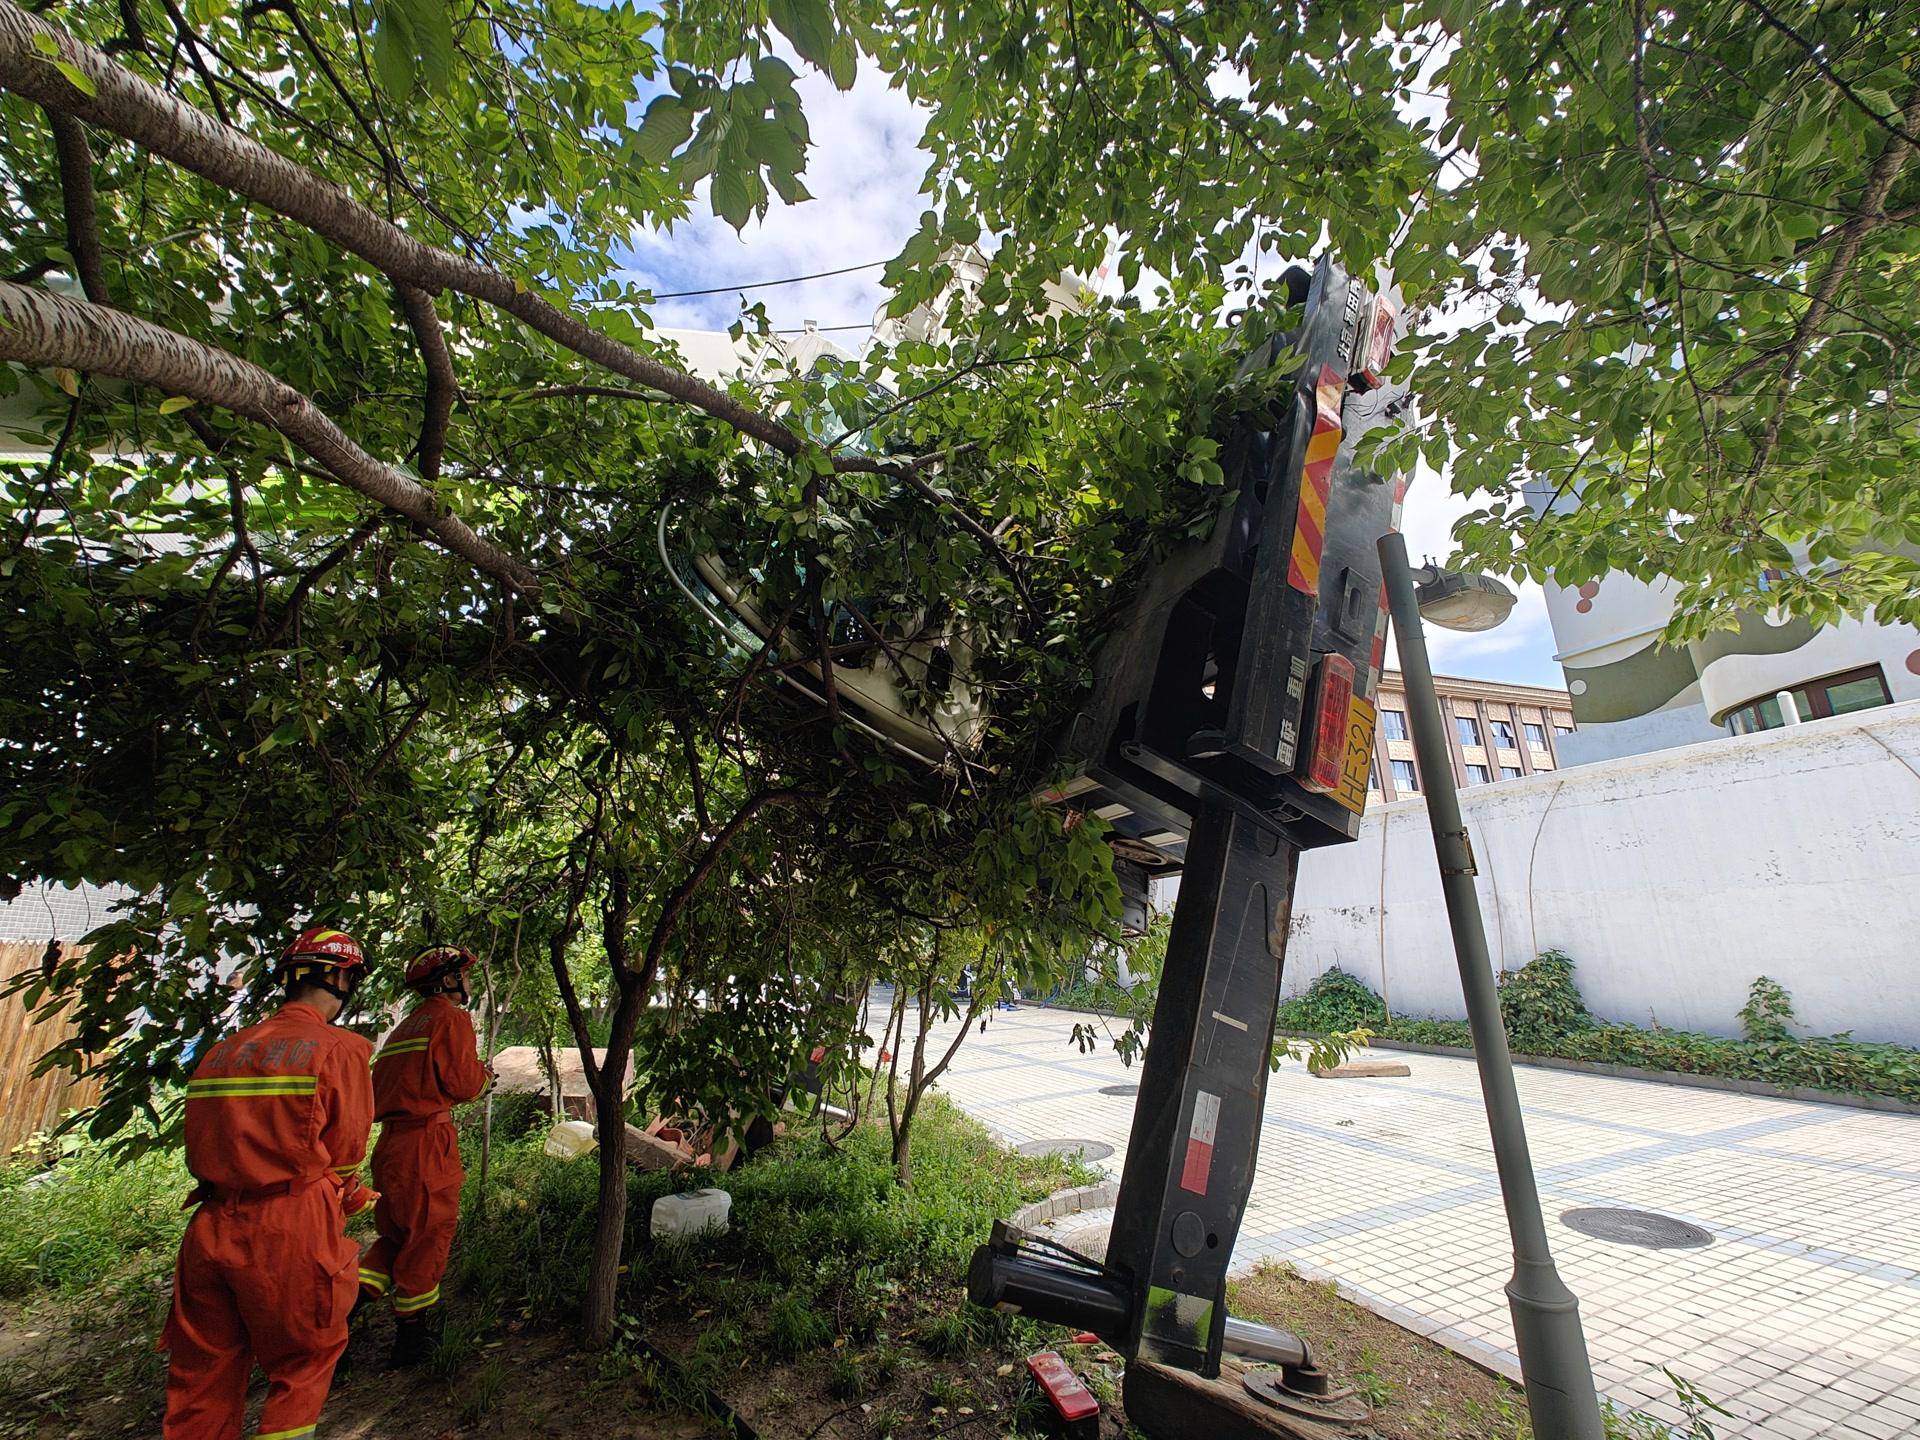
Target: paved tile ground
(1802, 1317)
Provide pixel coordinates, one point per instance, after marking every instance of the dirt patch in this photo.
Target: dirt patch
(512, 1383)
(1418, 1390)
(902, 1380)
(914, 1367)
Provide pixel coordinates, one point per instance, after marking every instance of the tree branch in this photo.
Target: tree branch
(40, 328)
(603, 392)
(76, 198)
(335, 557)
(129, 106)
(676, 902)
(441, 383)
(1156, 29)
(1869, 215)
(1901, 128)
(170, 127)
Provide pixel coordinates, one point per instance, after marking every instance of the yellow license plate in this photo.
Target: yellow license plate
(1357, 766)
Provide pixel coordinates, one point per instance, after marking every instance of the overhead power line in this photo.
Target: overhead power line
(769, 284)
(824, 329)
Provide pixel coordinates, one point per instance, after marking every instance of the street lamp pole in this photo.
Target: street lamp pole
(1546, 1316)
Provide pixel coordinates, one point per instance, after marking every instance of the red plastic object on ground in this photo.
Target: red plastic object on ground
(1076, 1414)
(1085, 1337)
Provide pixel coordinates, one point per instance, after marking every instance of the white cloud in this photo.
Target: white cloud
(864, 172)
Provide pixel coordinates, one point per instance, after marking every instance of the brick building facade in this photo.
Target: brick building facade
(1495, 732)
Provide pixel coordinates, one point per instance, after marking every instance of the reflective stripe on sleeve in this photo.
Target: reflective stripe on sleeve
(246, 1086)
(407, 1304)
(403, 1047)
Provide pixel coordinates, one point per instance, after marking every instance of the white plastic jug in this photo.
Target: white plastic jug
(692, 1212)
(570, 1139)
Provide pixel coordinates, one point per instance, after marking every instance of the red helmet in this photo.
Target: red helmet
(319, 948)
(438, 960)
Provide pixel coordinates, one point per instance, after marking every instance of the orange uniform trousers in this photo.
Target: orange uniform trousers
(268, 1279)
(417, 1170)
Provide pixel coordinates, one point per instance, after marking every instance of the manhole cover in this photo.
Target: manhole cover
(1637, 1227)
(1119, 1089)
(1085, 1149)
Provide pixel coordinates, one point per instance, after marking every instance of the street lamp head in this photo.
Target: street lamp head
(1458, 600)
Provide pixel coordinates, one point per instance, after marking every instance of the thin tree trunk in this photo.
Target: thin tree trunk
(493, 1040)
(610, 1126)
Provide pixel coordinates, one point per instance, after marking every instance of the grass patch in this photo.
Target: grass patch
(68, 1228)
(842, 1287)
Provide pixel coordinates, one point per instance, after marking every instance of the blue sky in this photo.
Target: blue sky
(864, 171)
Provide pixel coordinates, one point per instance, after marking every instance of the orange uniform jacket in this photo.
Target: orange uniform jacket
(276, 1128)
(309, 1111)
(429, 1064)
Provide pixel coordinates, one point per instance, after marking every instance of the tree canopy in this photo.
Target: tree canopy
(337, 588)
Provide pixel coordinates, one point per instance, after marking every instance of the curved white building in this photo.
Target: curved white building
(1632, 692)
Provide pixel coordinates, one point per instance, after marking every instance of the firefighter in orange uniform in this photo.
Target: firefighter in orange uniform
(276, 1127)
(429, 1064)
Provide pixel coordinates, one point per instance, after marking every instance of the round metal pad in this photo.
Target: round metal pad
(1084, 1149)
(1337, 1407)
(1637, 1227)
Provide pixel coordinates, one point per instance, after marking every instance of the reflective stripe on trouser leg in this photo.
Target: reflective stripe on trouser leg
(375, 1280)
(300, 1434)
(412, 1304)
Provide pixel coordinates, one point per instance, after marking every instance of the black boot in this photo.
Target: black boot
(414, 1339)
(356, 1333)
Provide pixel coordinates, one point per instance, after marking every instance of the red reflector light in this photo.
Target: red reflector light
(819, 1053)
(1071, 1400)
(1379, 346)
(1326, 747)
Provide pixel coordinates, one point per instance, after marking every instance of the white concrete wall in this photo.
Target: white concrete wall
(1676, 724)
(1672, 879)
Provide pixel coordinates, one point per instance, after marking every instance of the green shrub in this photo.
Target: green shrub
(1540, 1004)
(830, 1225)
(1335, 1002)
(1544, 1015)
(1767, 1017)
(1430, 1032)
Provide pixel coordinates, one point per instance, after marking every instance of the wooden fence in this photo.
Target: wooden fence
(29, 1103)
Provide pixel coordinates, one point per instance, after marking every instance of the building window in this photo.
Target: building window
(1467, 728)
(1840, 694)
(1404, 780)
(1393, 724)
(1563, 727)
(1536, 735)
(1503, 734)
(1478, 775)
(1509, 772)
(1373, 777)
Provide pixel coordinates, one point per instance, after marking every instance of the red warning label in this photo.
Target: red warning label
(1199, 1162)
